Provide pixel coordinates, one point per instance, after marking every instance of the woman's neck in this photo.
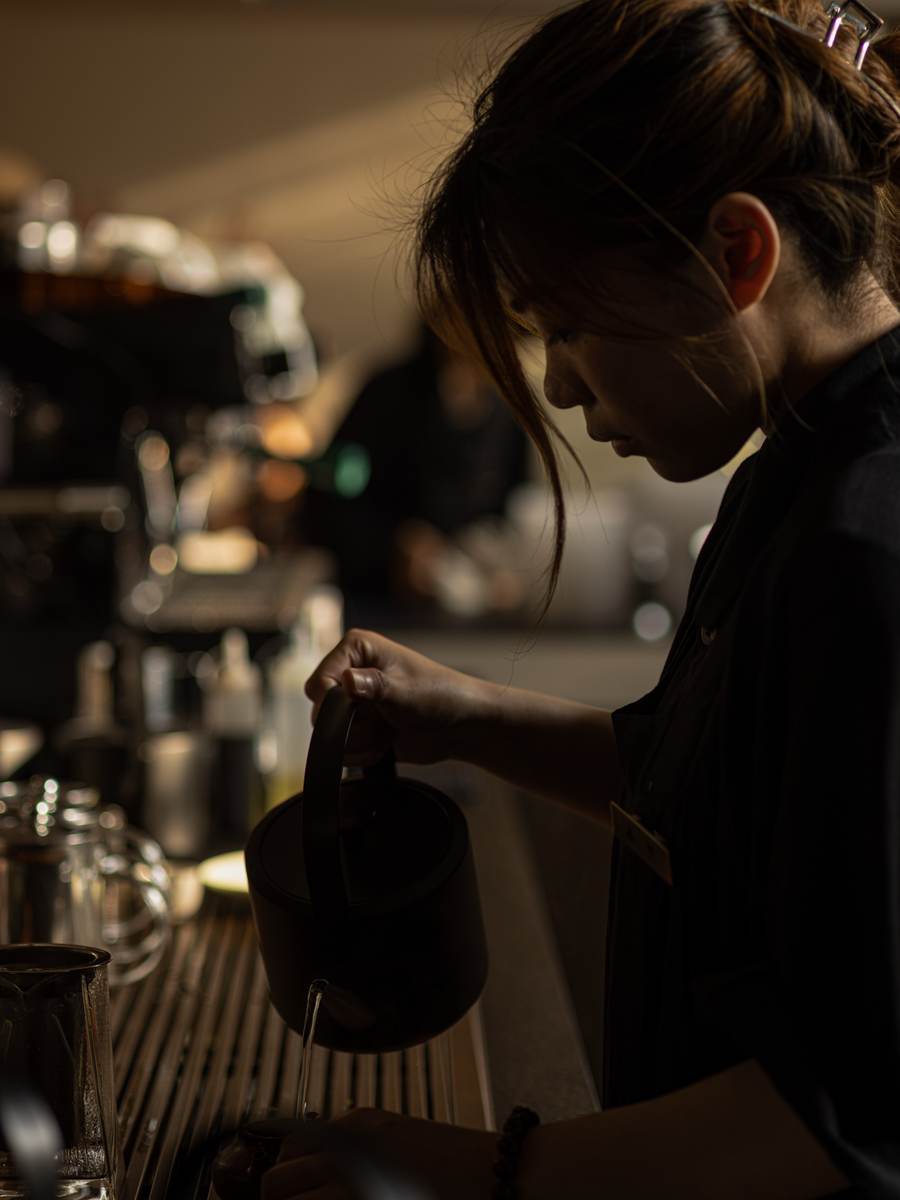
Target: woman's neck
(817, 338)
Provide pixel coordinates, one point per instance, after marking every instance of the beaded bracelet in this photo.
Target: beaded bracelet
(509, 1144)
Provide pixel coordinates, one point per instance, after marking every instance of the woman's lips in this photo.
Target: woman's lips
(623, 446)
(622, 443)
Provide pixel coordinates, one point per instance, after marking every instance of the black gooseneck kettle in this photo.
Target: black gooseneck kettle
(369, 884)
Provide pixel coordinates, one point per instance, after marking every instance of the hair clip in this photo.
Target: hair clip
(862, 20)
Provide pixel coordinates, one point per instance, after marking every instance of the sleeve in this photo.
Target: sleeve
(820, 1009)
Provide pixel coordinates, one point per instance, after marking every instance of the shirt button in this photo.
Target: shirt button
(707, 636)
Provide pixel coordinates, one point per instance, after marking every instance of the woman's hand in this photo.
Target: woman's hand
(407, 702)
(426, 712)
(450, 1162)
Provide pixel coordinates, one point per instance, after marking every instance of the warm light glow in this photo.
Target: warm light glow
(243, 317)
(226, 552)
(154, 453)
(54, 193)
(697, 538)
(649, 553)
(62, 242)
(146, 598)
(91, 499)
(224, 873)
(286, 436)
(141, 235)
(651, 622)
(17, 745)
(280, 481)
(745, 451)
(32, 235)
(163, 559)
(112, 519)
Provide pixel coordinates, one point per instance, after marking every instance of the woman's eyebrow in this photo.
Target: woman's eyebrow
(518, 318)
(517, 308)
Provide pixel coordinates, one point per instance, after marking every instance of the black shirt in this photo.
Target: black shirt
(768, 759)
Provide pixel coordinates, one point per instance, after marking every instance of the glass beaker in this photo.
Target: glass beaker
(54, 1032)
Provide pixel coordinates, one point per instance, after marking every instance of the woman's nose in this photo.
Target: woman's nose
(558, 392)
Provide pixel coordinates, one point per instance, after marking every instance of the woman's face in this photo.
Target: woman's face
(685, 406)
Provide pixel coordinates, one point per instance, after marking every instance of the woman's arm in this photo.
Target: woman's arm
(728, 1137)
(556, 749)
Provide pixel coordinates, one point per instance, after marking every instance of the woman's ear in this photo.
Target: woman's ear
(742, 244)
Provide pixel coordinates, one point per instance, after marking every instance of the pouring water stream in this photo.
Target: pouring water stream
(317, 989)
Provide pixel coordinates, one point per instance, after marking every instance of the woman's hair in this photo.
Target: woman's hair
(615, 126)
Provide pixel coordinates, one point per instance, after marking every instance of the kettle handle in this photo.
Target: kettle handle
(321, 816)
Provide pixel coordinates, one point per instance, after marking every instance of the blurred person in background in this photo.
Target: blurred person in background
(445, 452)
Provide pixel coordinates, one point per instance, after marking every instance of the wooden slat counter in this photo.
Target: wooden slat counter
(199, 1049)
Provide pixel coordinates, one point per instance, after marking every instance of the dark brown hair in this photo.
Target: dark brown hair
(616, 125)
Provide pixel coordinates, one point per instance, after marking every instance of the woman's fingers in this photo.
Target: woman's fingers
(356, 649)
(296, 1145)
(312, 1176)
(446, 1160)
(405, 701)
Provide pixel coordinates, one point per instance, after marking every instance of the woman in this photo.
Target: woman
(693, 205)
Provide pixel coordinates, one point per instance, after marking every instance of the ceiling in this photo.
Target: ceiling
(304, 124)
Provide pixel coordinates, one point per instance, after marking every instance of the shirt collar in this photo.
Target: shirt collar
(821, 430)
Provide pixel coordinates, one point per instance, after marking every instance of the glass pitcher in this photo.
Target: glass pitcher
(55, 1033)
(73, 872)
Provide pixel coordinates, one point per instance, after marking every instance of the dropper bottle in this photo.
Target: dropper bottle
(231, 716)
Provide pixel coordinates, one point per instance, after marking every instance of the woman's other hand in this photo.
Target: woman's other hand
(450, 1162)
(407, 703)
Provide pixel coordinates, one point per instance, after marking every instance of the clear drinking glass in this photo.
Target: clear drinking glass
(54, 1033)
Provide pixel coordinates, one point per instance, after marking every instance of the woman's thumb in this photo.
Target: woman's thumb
(363, 684)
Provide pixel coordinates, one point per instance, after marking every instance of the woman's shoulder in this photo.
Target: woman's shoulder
(865, 499)
(838, 554)
(836, 477)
